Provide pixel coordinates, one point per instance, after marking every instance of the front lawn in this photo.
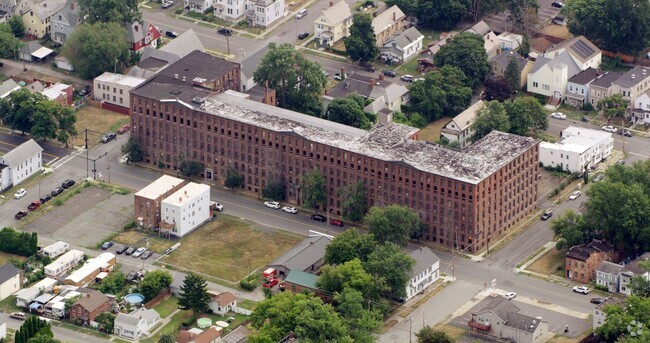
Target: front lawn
(166, 306)
(171, 328)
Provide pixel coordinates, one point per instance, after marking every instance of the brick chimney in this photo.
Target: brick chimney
(331, 3)
(394, 16)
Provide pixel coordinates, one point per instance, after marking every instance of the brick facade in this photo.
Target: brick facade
(582, 261)
(89, 306)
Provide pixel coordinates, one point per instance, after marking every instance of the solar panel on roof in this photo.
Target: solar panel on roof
(582, 49)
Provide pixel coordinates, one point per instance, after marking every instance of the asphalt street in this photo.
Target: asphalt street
(51, 152)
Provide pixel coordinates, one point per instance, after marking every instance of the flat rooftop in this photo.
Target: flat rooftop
(186, 194)
(159, 187)
(120, 79)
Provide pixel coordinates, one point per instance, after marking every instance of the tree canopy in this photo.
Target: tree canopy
(394, 223)
(17, 25)
(9, 43)
(349, 111)
(430, 335)
(95, 48)
(569, 230)
(491, 116)
(512, 75)
(526, 116)
(194, 294)
(391, 267)
(314, 194)
(336, 278)
(354, 201)
(444, 92)
(105, 11)
(297, 81)
(621, 321)
(348, 246)
(613, 25)
(465, 51)
(361, 321)
(612, 106)
(361, 45)
(441, 14)
(133, 149)
(154, 282)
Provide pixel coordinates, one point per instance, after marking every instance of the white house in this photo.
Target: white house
(186, 209)
(509, 40)
(26, 295)
(114, 88)
(87, 273)
(599, 315)
(578, 149)
(425, 271)
(502, 318)
(583, 52)
(20, 163)
(229, 9)
(641, 109)
(55, 308)
(633, 83)
(64, 263)
(460, 129)
(7, 87)
(55, 250)
(265, 12)
(608, 275)
(135, 324)
(223, 303)
(578, 87)
(403, 47)
(10, 280)
(198, 5)
(333, 24)
(491, 44)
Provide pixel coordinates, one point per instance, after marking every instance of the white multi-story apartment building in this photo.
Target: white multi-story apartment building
(20, 163)
(578, 149)
(114, 88)
(265, 12)
(425, 272)
(186, 209)
(229, 9)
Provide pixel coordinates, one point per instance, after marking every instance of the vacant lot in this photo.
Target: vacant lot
(431, 133)
(229, 248)
(139, 238)
(552, 263)
(98, 120)
(5, 258)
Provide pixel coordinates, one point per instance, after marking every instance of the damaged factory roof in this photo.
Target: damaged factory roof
(387, 142)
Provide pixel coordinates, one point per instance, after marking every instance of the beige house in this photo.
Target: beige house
(602, 87)
(333, 24)
(499, 64)
(387, 24)
(460, 129)
(37, 15)
(633, 83)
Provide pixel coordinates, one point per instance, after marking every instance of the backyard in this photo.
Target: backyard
(229, 248)
(431, 133)
(6, 258)
(98, 120)
(552, 263)
(166, 306)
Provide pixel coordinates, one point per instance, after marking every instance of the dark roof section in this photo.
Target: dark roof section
(633, 268)
(249, 64)
(424, 258)
(586, 76)
(582, 252)
(92, 300)
(501, 307)
(609, 268)
(633, 77)
(8, 271)
(504, 58)
(607, 79)
(304, 254)
(522, 322)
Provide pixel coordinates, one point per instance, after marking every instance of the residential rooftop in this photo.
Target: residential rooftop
(120, 79)
(607, 79)
(633, 77)
(386, 19)
(633, 267)
(157, 188)
(186, 194)
(578, 139)
(586, 76)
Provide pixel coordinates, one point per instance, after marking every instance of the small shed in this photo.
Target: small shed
(63, 63)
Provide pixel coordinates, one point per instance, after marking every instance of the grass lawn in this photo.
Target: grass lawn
(139, 238)
(410, 67)
(239, 319)
(6, 257)
(431, 133)
(172, 327)
(429, 35)
(248, 304)
(166, 306)
(99, 120)
(8, 305)
(454, 332)
(117, 340)
(228, 248)
(552, 263)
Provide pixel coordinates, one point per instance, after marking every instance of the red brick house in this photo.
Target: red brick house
(582, 261)
(140, 35)
(89, 306)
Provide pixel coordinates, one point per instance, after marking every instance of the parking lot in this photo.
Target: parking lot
(499, 22)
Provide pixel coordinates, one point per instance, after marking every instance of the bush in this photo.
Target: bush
(247, 285)
(19, 243)
(178, 11)
(194, 14)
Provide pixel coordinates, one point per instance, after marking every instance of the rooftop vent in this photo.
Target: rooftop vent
(198, 100)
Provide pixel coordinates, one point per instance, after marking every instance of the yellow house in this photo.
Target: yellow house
(499, 64)
(334, 23)
(388, 24)
(38, 14)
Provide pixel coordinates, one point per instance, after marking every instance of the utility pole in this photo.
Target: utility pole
(228, 43)
(410, 329)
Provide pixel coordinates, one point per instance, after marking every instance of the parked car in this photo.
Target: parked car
(599, 177)
(510, 295)
(585, 119)
(272, 204)
(581, 289)
(339, 76)
(84, 91)
(146, 254)
(107, 245)
(300, 14)
(18, 315)
(368, 67)
(558, 115)
(171, 34)
(138, 252)
(559, 20)
(389, 73)
(547, 214)
(121, 249)
(20, 215)
(621, 162)
(597, 301)
(225, 31)
(34, 206)
(557, 4)
(318, 218)
(129, 251)
(109, 137)
(575, 195)
(609, 128)
(56, 191)
(336, 222)
(290, 209)
(124, 128)
(20, 193)
(626, 133)
(67, 184)
(407, 78)
(303, 35)
(167, 4)
(218, 207)
(326, 74)
(45, 198)
(270, 283)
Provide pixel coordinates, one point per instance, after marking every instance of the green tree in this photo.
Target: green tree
(361, 321)
(354, 201)
(106, 321)
(392, 265)
(274, 188)
(23, 105)
(105, 11)
(335, 278)
(613, 25)
(444, 92)
(350, 245)
(524, 47)
(66, 118)
(233, 178)
(612, 106)
(43, 339)
(114, 283)
(639, 284)
(154, 282)
(191, 168)
(618, 317)
(569, 230)
(304, 315)
(497, 90)
(314, 194)
(394, 223)
(194, 295)
(9, 44)
(133, 150)
(298, 82)
(526, 116)
(17, 26)
(95, 48)
(441, 14)
(348, 111)
(43, 122)
(512, 75)
(167, 338)
(492, 116)
(465, 51)
(430, 335)
(361, 45)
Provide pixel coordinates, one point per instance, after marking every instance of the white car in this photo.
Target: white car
(581, 289)
(290, 209)
(272, 204)
(575, 195)
(218, 207)
(167, 4)
(21, 193)
(510, 295)
(609, 128)
(138, 252)
(558, 115)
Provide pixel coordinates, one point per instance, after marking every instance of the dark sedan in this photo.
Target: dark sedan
(21, 214)
(303, 35)
(225, 31)
(318, 218)
(57, 191)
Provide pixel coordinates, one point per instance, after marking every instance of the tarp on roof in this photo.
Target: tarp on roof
(42, 53)
(34, 306)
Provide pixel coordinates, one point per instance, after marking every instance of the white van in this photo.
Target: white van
(301, 13)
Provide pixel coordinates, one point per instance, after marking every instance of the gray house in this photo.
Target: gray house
(6, 8)
(306, 256)
(607, 274)
(64, 22)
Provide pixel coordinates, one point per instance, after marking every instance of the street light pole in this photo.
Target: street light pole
(410, 329)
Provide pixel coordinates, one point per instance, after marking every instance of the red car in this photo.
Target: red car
(270, 283)
(34, 206)
(336, 222)
(124, 128)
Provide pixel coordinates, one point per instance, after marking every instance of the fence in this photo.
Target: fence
(163, 294)
(243, 311)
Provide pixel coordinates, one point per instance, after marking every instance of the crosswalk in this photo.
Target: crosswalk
(60, 161)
